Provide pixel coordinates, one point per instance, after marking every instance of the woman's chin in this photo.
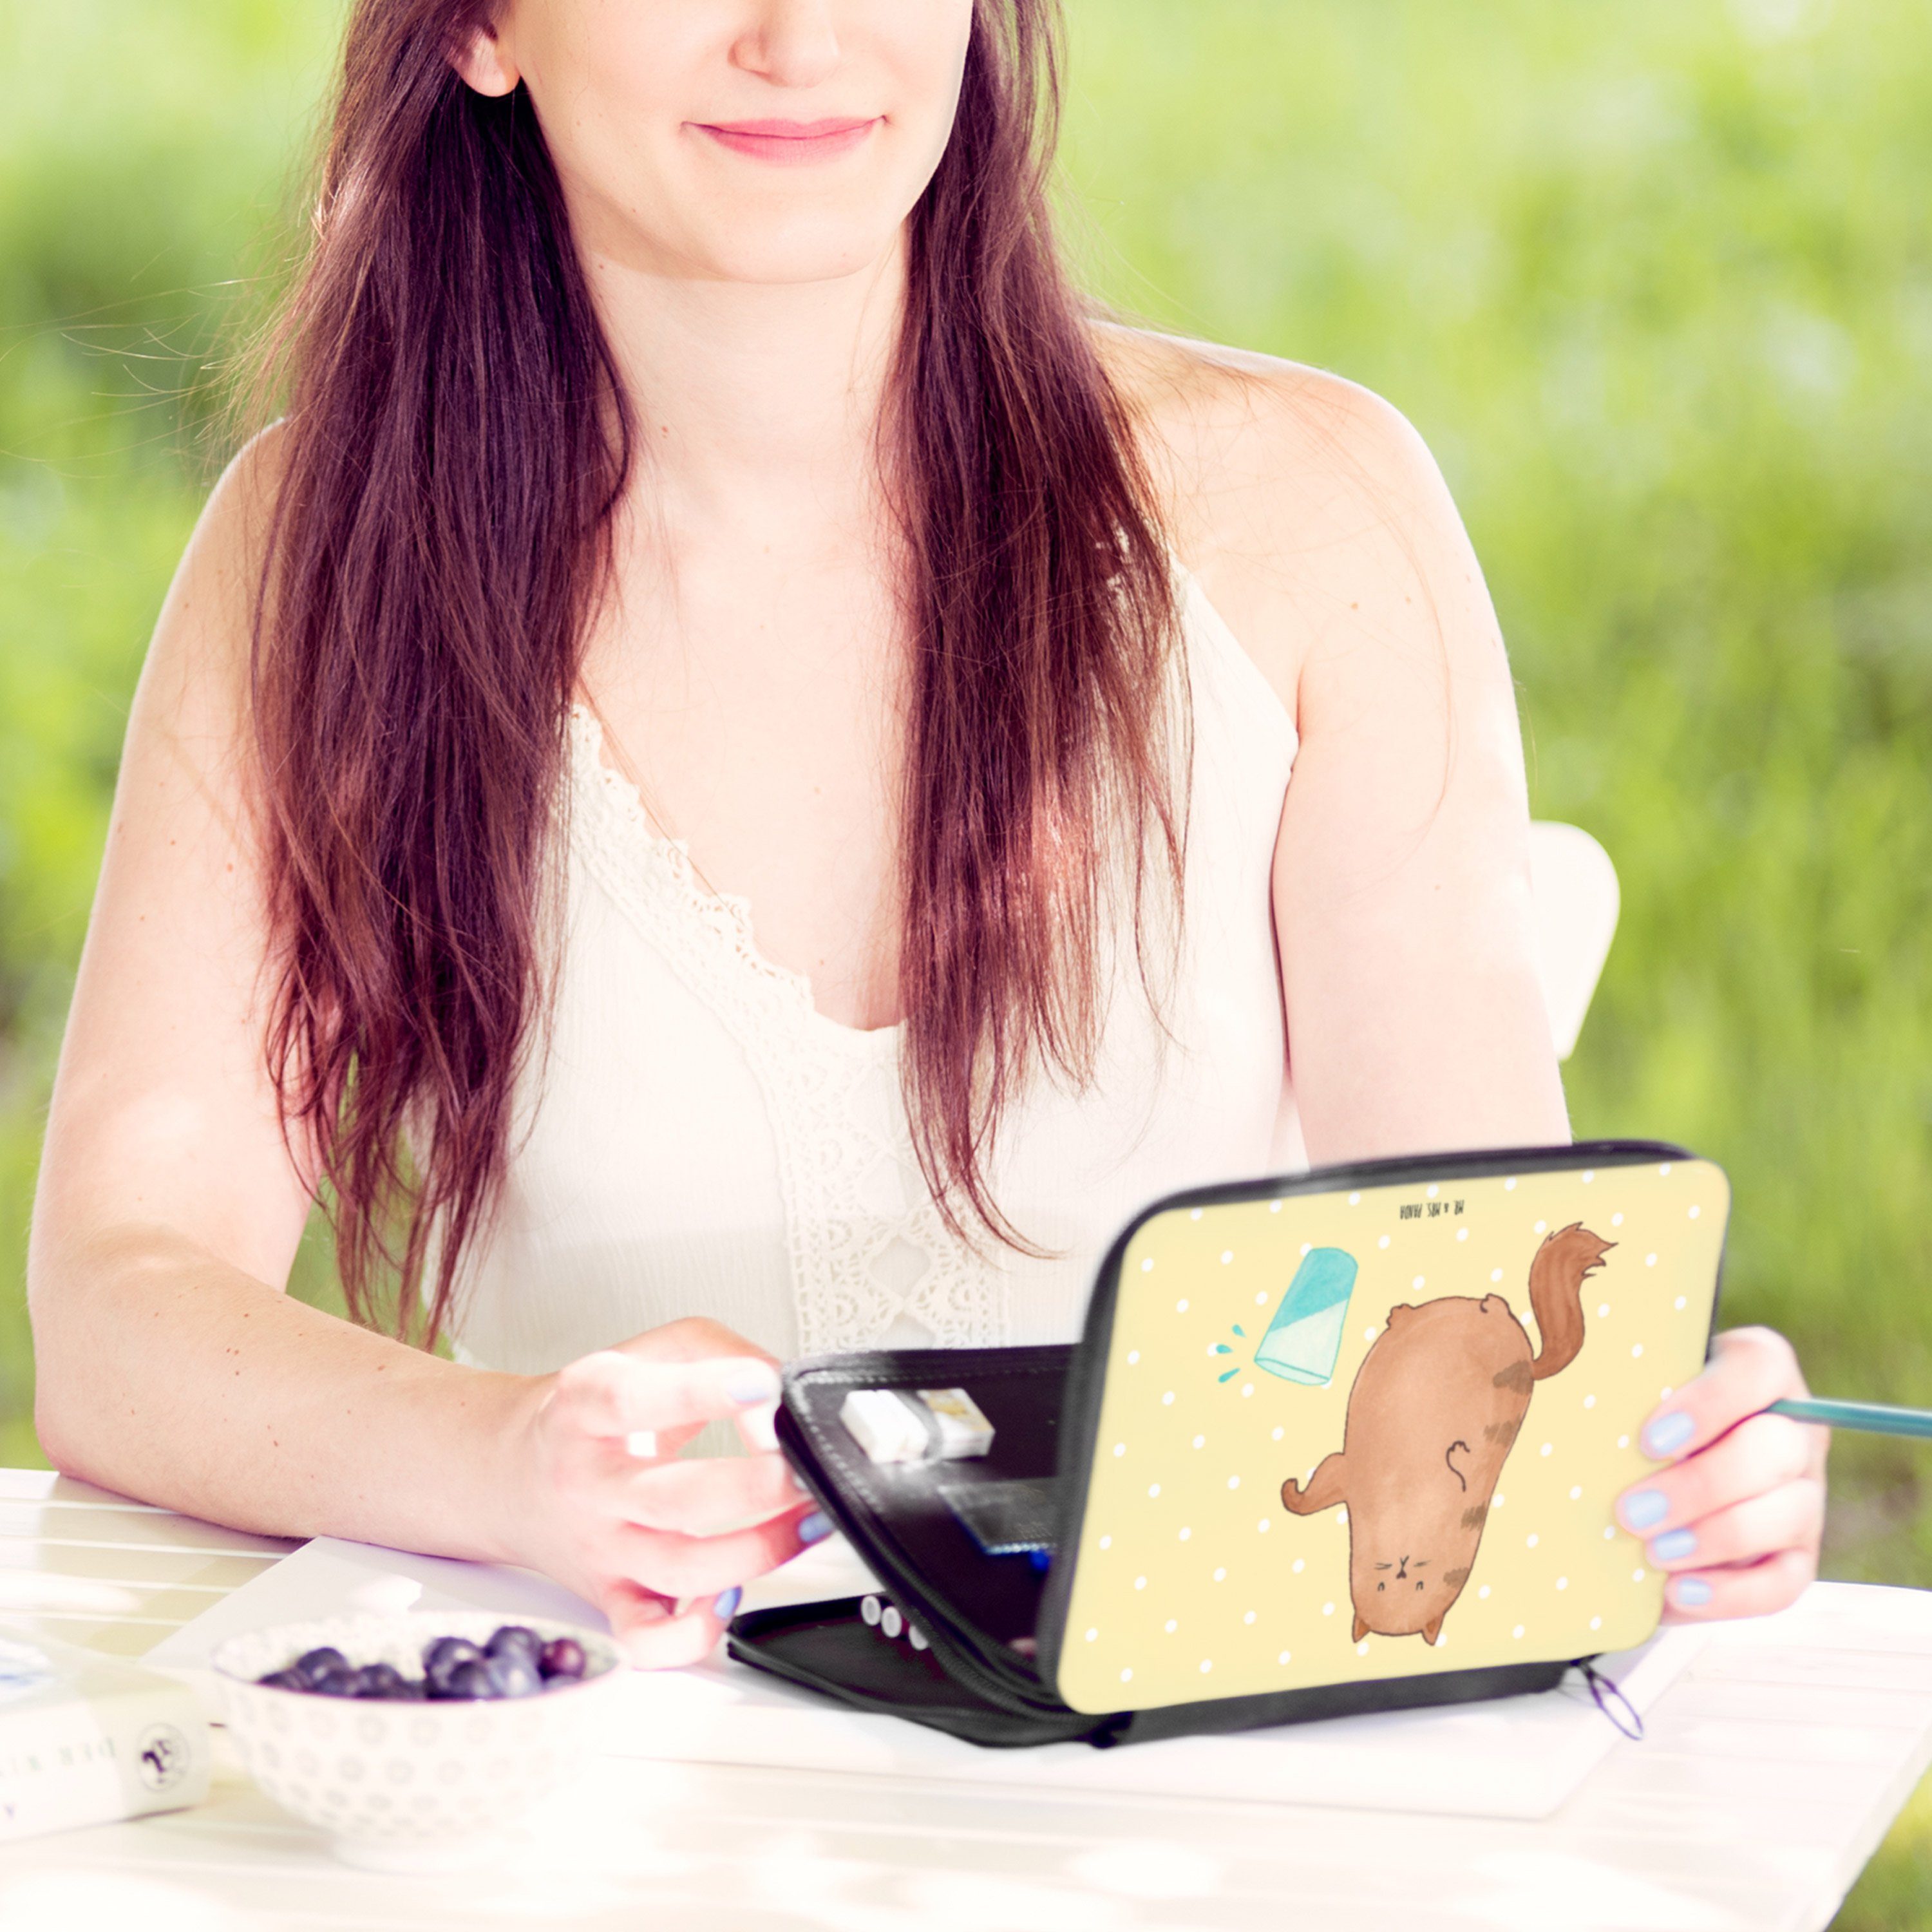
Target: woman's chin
(790, 250)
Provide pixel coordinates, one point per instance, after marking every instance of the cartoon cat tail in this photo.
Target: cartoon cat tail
(1328, 1486)
(1565, 1260)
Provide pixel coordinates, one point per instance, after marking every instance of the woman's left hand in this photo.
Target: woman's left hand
(1736, 1515)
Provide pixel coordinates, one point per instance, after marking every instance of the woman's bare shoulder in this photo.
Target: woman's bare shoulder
(197, 667)
(1295, 496)
(231, 539)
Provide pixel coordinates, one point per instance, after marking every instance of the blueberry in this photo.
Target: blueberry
(284, 1680)
(312, 1663)
(469, 1679)
(446, 1653)
(519, 1638)
(378, 1680)
(334, 1683)
(563, 1658)
(513, 1674)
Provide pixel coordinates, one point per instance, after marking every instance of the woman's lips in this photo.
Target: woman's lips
(790, 143)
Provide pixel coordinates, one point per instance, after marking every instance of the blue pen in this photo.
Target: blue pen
(1872, 1417)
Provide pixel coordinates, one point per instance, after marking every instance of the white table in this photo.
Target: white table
(1770, 1771)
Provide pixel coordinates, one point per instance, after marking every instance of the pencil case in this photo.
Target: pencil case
(1343, 1441)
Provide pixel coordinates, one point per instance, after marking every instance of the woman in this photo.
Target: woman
(700, 492)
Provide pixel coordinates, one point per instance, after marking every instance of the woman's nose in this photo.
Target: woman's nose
(789, 43)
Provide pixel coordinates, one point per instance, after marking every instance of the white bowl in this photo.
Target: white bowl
(408, 1787)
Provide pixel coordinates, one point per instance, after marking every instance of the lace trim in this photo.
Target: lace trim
(831, 1093)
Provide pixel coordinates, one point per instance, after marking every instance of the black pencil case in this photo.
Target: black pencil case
(1338, 1442)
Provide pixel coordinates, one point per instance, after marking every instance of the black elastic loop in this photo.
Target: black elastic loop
(1603, 1691)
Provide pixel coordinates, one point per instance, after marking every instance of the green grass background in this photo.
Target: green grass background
(1655, 281)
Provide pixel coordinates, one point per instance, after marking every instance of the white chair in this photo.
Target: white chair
(1574, 886)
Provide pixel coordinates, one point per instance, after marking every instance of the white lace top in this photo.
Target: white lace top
(700, 1140)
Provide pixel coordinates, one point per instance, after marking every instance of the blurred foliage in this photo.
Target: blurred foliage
(1655, 281)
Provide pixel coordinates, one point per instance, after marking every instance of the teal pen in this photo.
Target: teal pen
(1872, 1417)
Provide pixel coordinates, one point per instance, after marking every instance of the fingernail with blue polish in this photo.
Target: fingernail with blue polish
(1692, 1592)
(815, 1528)
(1644, 1508)
(726, 1607)
(1667, 1434)
(752, 1382)
(1672, 1544)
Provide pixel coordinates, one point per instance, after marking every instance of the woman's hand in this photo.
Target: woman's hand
(604, 1505)
(1736, 1516)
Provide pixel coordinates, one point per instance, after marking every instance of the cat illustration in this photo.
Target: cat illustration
(1433, 1414)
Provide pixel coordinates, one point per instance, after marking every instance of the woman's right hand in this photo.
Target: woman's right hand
(660, 1544)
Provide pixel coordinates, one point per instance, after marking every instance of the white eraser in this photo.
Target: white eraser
(916, 1425)
(964, 1430)
(879, 1421)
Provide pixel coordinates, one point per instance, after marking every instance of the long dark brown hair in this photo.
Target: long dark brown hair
(456, 440)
